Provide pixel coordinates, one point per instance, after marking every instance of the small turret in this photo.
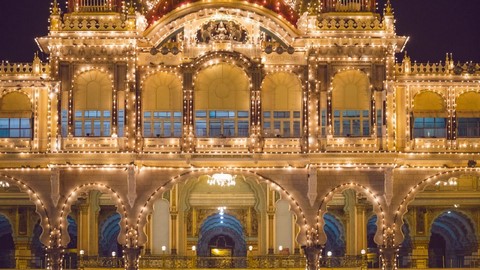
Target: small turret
(407, 63)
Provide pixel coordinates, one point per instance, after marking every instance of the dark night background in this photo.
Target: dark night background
(435, 27)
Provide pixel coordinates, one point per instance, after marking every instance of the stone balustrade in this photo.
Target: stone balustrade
(35, 68)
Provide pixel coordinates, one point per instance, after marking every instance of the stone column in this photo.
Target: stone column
(188, 136)
(312, 253)
(88, 224)
(389, 256)
(131, 255)
(256, 137)
(54, 258)
(388, 252)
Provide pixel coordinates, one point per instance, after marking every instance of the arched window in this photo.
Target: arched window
(281, 105)
(162, 106)
(92, 99)
(222, 102)
(351, 101)
(429, 114)
(468, 115)
(15, 116)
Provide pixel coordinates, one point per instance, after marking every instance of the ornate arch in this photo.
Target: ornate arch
(283, 82)
(378, 209)
(212, 58)
(351, 90)
(40, 207)
(62, 237)
(230, 226)
(434, 102)
(182, 177)
(81, 89)
(418, 188)
(461, 232)
(161, 28)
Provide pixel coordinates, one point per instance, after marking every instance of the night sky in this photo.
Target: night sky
(435, 27)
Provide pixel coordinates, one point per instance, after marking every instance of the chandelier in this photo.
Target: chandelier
(452, 181)
(222, 179)
(4, 185)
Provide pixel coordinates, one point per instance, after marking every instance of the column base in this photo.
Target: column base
(55, 258)
(313, 256)
(389, 256)
(132, 255)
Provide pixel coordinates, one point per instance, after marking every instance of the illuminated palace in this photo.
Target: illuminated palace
(176, 134)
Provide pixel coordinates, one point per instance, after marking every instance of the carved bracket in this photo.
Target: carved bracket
(132, 185)
(55, 185)
(388, 185)
(312, 185)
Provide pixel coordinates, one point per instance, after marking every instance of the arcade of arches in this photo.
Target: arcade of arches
(236, 134)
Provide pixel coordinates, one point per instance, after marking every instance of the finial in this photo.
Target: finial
(131, 8)
(388, 8)
(55, 9)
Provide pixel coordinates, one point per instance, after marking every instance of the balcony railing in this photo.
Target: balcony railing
(96, 6)
(72, 261)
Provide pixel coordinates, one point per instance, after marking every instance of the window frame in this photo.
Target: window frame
(223, 117)
(158, 120)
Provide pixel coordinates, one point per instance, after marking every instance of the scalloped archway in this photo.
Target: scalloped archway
(40, 206)
(72, 197)
(182, 177)
(378, 209)
(418, 188)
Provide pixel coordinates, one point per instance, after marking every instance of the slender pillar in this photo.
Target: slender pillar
(88, 224)
(54, 258)
(312, 253)
(389, 255)
(389, 251)
(131, 254)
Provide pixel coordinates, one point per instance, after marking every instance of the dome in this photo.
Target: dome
(162, 7)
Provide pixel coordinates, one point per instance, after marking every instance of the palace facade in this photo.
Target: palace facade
(236, 134)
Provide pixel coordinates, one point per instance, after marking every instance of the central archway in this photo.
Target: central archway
(222, 235)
